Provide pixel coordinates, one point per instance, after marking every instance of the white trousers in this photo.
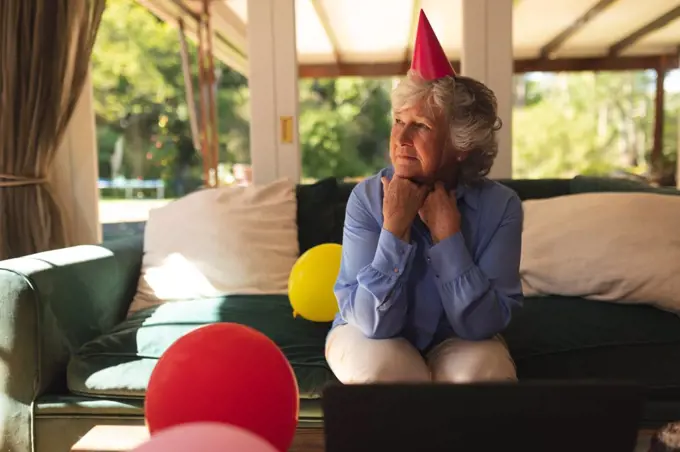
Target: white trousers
(354, 358)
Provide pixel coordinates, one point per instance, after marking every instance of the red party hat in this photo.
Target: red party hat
(429, 59)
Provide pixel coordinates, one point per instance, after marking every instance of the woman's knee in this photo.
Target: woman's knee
(354, 358)
(459, 361)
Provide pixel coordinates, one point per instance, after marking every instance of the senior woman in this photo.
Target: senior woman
(431, 247)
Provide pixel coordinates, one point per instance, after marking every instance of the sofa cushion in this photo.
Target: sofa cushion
(538, 188)
(119, 363)
(78, 406)
(614, 247)
(568, 338)
(317, 214)
(345, 190)
(588, 184)
(218, 242)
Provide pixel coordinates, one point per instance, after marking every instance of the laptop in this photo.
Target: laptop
(499, 417)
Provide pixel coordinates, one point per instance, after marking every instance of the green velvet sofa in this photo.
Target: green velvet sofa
(69, 359)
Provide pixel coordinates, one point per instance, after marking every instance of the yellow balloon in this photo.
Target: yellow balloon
(311, 281)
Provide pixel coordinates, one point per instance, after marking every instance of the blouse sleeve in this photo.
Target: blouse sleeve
(478, 297)
(373, 272)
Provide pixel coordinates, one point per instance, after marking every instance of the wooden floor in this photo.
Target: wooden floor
(311, 440)
(644, 437)
(115, 438)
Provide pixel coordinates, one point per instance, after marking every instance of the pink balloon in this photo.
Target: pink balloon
(205, 437)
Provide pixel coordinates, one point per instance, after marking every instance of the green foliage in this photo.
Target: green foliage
(136, 64)
(139, 94)
(587, 123)
(344, 126)
(563, 125)
(106, 141)
(552, 142)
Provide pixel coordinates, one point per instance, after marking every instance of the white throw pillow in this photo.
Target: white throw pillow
(615, 247)
(217, 242)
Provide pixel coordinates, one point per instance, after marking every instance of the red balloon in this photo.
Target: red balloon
(226, 373)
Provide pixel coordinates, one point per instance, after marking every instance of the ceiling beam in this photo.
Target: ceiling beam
(171, 11)
(193, 14)
(379, 70)
(326, 24)
(596, 64)
(654, 25)
(551, 48)
(232, 30)
(230, 25)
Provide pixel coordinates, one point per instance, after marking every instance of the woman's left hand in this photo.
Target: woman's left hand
(440, 213)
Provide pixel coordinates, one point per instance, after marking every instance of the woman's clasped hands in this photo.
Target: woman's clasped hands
(404, 199)
(401, 201)
(440, 213)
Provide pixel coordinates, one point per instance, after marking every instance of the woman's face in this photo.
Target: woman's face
(419, 145)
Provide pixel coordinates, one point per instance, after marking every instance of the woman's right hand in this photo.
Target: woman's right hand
(401, 201)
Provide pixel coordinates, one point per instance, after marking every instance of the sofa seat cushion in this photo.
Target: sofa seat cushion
(119, 363)
(590, 184)
(572, 338)
(538, 188)
(70, 405)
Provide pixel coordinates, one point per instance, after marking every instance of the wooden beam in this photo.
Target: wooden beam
(379, 70)
(193, 14)
(188, 86)
(677, 156)
(207, 91)
(205, 117)
(171, 10)
(548, 50)
(211, 92)
(326, 24)
(633, 63)
(230, 25)
(656, 158)
(654, 25)
(197, 13)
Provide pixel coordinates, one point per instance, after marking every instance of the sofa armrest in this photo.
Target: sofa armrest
(51, 303)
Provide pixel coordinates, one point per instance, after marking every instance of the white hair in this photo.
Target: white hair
(470, 109)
